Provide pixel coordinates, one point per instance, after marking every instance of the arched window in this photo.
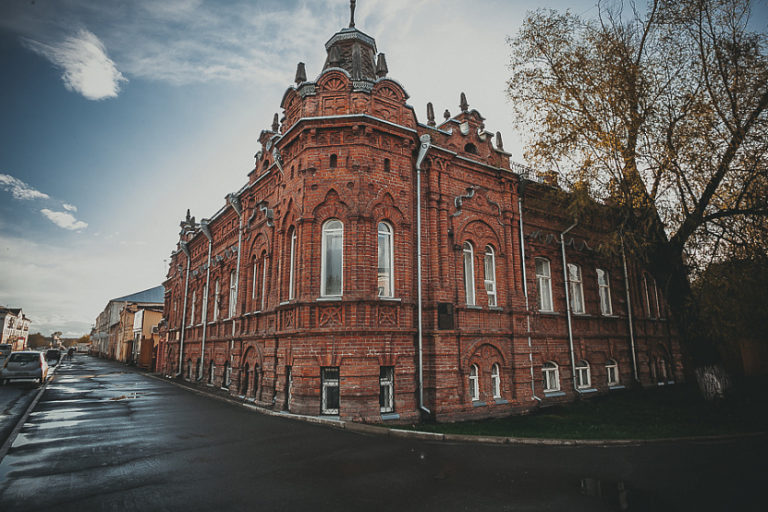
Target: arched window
(582, 375)
(474, 384)
(544, 284)
(292, 266)
(385, 276)
(490, 275)
(551, 375)
(264, 280)
(255, 283)
(232, 293)
(226, 379)
(192, 308)
(199, 369)
(604, 290)
(470, 148)
(211, 372)
(576, 289)
(469, 274)
(496, 380)
(331, 278)
(386, 165)
(612, 372)
(189, 369)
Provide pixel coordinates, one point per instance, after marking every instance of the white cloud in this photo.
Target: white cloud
(64, 220)
(69, 207)
(19, 189)
(86, 67)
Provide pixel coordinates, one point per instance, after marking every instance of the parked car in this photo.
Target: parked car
(24, 365)
(5, 350)
(52, 356)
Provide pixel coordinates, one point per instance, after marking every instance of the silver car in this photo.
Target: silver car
(24, 365)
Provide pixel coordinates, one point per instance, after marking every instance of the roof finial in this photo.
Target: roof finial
(275, 123)
(430, 114)
(352, 13)
(464, 106)
(301, 73)
(446, 114)
(499, 142)
(381, 66)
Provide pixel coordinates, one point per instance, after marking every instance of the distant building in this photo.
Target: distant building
(15, 327)
(113, 334)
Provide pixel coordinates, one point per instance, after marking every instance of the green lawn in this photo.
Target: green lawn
(672, 411)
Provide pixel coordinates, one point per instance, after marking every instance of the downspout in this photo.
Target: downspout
(234, 200)
(424, 147)
(205, 228)
(185, 248)
(568, 304)
(525, 288)
(629, 312)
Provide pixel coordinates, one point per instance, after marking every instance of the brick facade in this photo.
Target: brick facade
(346, 150)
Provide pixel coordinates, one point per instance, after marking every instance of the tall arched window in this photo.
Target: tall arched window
(255, 283)
(544, 284)
(583, 379)
(263, 281)
(604, 290)
(385, 277)
(496, 380)
(469, 274)
(612, 372)
(331, 279)
(474, 384)
(292, 267)
(490, 275)
(232, 293)
(576, 289)
(216, 299)
(192, 309)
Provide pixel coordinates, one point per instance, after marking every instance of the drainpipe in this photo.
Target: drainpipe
(234, 200)
(568, 304)
(185, 248)
(425, 145)
(629, 312)
(205, 228)
(525, 289)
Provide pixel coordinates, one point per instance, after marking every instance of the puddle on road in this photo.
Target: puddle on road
(129, 396)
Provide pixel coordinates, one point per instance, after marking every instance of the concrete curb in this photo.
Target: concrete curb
(368, 429)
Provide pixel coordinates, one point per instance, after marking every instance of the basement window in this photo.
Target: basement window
(329, 378)
(387, 388)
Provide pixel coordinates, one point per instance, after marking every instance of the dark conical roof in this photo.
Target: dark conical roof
(354, 51)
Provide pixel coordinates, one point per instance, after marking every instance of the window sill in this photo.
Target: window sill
(473, 306)
(390, 299)
(610, 316)
(284, 303)
(329, 298)
(478, 403)
(553, 394)
(616, 386)
(500, 401)
(583, 315)
(551, 313)
(495, 308)
(586, 390)
(388, 416)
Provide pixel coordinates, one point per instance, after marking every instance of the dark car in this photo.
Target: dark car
(53, 356)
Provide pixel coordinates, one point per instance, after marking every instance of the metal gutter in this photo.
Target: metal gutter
(185, 248)
(629, 312)
(525, 291)
(568, 304)
(424, 147)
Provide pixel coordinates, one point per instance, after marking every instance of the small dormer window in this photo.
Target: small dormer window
(334, 161)
(470, 148)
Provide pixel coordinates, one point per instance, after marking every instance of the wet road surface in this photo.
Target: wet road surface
(15, 397)
(104, 437)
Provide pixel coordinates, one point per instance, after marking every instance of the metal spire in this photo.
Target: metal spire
(352, 13)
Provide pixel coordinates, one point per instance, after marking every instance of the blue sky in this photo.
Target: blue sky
(120, 115)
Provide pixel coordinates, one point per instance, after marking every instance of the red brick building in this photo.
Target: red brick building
(382, 269)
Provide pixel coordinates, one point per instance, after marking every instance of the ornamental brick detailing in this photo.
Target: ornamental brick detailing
(322, 309)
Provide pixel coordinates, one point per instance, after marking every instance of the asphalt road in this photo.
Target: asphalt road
(14, 400)
(105, 437)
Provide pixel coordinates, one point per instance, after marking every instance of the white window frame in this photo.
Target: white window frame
(647, 295)
(575, 282)
(255, 277)
(387, 235)
(326, 232)
(387, 389)
(216, 299)
(292, 267)
(489, 263)
(232, 293)
(211, 372)
(469, 272)
(474, 382)
(544, 284)
(328, 383)
(496, 380)
(612, 372)
(226, 381)
(551, 373)
(604, 292)
(264, 282)
(583, 374)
